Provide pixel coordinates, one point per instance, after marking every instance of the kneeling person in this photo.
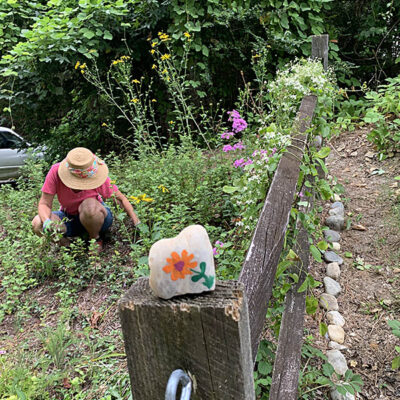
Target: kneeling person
(81, 183)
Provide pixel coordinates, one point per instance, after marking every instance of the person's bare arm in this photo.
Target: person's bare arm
(127, 206)
(45, 205)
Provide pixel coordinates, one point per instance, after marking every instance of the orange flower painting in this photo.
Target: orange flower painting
(179, 266)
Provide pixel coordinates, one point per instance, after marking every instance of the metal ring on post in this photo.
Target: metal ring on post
(178, 376)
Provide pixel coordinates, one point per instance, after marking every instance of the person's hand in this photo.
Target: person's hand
(48, 226)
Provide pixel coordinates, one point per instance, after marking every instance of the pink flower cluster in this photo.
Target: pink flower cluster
(219, 244)
(237, 146)
(238, 123)
(242, 163)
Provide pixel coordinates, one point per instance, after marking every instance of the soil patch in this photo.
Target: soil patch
(370, 276)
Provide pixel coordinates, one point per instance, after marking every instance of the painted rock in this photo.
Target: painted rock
(183, 264)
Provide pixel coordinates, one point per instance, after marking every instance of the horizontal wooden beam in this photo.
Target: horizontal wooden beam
(259, 268)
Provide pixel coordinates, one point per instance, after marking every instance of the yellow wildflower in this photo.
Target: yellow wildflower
(125, 58)
(165, 71)
(154, 66)
(152, 51)
(171, 122)
(187, 34)
(135, 100)
(112, 182)
(136, 81)
(163, 188)
(257, 56)
(165, 57)
(104, 124)
(143, 197)
(135, 199)
(163, 36)
(82, 71)
(153, 44)
(154, 101)
(77, 65)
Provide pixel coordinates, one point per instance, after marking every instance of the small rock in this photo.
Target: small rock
(333, 270)
(336, 333)
(328, 302)
(336, 346)
(396, 270)
(337, 360)
(335, 318)
(353, 154)
(335, 395)
(337, 211)
(335, 222)
(332, 287)
(369, 154)
(336, 197)
(318, 141)
(335, 246)
(331, 256)
(337, 204)
(331, 236)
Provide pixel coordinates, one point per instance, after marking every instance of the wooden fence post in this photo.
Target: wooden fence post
(319, 48)
(208, 336)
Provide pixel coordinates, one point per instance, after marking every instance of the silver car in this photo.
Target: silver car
(13, 154)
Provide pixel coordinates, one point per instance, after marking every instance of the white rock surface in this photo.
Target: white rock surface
(183, 264)
(331, 286)
(337, 360)
(335, 246)
(335, 318)
(336, 333)
(336, 346)
(335, 395)
(333, 270)
(328, 302)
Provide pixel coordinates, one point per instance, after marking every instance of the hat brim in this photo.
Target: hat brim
(73, 182)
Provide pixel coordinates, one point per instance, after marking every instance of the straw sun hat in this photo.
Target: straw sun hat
(82, 170)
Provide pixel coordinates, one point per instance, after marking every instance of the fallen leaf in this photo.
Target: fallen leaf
(393, 185)
(354, 154)
(341, 148)
(374, 345)
(66, 383)
(359, 227)
(95, 319)
(370, 154)
(396, 270)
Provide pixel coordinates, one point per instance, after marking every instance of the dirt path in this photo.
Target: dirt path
(371, 275)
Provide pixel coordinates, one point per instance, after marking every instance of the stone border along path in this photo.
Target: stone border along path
(328, 300)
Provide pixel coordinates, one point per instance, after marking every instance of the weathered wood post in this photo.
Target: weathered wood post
(319, 48)
(208, 336)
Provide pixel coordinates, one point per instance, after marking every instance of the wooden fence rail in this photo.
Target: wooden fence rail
(215, 336)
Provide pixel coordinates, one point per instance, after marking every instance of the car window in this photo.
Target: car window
(9, 141)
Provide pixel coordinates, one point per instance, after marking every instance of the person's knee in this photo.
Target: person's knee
(91, 208)
(37, 225)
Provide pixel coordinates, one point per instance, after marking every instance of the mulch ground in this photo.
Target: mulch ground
(370, 276)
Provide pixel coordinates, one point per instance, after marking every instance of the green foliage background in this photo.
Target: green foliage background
(41, 41)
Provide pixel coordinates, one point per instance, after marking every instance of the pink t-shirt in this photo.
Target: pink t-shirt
(69, 200)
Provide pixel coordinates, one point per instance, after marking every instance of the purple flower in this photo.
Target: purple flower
(238, 163)
(248, 162)
(239, 146)
(227, 135)
(3, 352)
(239, 125)
(215, 252)
(227, 147)
(300, 194)
(233, 115)
(273, 151)
(219, 243)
